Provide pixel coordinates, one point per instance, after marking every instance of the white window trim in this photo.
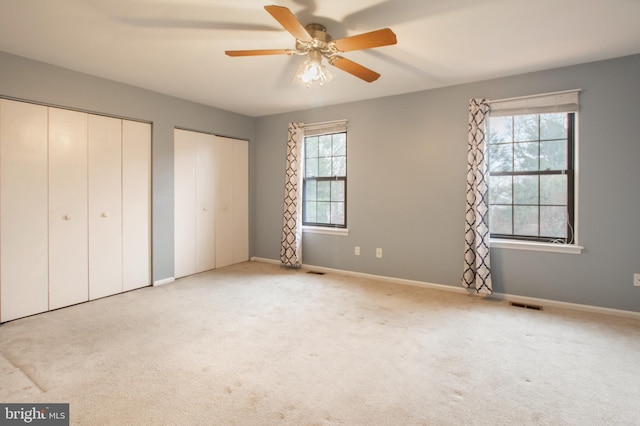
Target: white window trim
(566, 101)
(343, 232)
(536, 246)
(312, 129)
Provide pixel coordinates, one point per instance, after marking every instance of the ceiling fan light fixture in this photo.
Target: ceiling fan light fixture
(314, 41)
(312, 70)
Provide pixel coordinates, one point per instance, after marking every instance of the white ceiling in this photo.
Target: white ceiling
(177, 47)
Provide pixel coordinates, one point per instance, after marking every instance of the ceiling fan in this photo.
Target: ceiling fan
(313, 41)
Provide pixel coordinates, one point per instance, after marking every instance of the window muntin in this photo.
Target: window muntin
(531, 184)
(325, 180)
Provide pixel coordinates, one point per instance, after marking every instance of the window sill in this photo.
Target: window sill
(343, 232)
(536, 246)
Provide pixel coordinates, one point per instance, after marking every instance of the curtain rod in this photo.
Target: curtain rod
(535, 96)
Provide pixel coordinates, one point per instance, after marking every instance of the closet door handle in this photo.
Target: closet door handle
(67, 217)
(106, 214)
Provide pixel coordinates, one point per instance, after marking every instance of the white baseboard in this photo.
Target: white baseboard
(265, 260)
(501, 296)
(163, 281)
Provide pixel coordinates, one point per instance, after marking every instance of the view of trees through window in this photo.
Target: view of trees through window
(531, 176)
(325, 180)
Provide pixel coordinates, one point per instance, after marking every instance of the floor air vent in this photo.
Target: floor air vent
(315, 272)
(525, 306)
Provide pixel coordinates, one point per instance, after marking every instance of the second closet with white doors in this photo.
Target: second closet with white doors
(211, 193)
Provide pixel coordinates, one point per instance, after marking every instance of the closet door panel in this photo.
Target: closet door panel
(105, 206)
(224, 200)
(184, 203)
(136, 207)
(68, 234)
(240, 201)
(23, 210)
(205, 210)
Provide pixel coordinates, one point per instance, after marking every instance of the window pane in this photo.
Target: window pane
(525, 128)
(525, 190)
(339, 166)
(525, 156)
(500, 219)
(553, 189)
(311, 147)
(324, 146)
(324, 191)
(500, 190)
(337, 213)
(324, 212)
(324, 167)
(325, 172)
(553, 155)
(500, 129)
(311, 167)
(553, 222)
(340, 144)
(501, 158)
(310, 212)
(526, 196)
(553, 126)
(525, 220)
(310, 187)
(337, 190)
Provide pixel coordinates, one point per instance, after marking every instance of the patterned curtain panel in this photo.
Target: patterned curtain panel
(477, 266)
(291, 249)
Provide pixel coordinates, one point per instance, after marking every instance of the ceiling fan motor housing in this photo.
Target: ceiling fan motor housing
(320, 39)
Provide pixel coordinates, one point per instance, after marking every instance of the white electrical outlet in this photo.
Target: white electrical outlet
(357, 251)
(636, 280)
(378, 253)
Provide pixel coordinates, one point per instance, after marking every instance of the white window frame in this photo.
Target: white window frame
(564, 101)
(314, 129)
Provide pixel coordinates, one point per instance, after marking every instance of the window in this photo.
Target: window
(325, 176)
(532, 171)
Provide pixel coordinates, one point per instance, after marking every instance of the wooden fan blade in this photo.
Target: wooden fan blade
(288, 20)
(258, 52)
(378, 38)
(354, 68)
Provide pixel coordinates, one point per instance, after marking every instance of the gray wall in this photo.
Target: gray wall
(407, 158)
(34, 81)
(406, 188)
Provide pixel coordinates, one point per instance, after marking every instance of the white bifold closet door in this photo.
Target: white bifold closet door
(224, 195)
(205, 208)
(23, 209)
(232, 187)
(211, 202)
(184, 173)
(136, 205)
(105, 206)
(195, 209)
(75, 207)
(240, 201)
(68, 233)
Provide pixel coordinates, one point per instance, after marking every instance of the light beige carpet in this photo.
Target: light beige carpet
(254, 344)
